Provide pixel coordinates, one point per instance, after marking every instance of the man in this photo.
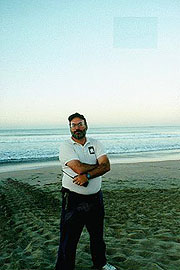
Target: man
(83, 162)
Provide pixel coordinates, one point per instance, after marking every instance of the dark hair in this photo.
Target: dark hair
(72, 116)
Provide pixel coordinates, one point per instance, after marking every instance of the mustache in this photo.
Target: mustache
(77, 131)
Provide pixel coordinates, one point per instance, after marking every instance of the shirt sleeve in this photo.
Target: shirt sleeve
(100, 149)
(67, 153)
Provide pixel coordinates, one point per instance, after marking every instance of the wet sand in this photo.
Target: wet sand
(142, 221)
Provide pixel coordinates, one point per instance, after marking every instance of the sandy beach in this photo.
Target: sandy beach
(142, 221)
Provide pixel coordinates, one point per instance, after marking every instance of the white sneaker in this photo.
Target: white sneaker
(108, 266)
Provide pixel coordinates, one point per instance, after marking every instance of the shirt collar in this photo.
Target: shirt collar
(87, 141)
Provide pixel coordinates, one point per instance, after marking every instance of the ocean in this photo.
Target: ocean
(123, 144)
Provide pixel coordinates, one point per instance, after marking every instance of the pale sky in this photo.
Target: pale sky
(117, 62)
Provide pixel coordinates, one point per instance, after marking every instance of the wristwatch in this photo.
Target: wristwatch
(88, 176)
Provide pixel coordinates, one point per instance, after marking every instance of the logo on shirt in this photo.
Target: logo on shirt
(91, 150)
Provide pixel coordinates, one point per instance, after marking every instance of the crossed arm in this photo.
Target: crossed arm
(101, 167)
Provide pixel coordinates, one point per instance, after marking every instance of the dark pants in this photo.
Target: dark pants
(79, 211)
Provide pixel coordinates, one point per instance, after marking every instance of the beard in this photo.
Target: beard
(78, 134)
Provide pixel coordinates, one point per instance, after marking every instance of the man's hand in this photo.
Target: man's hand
(95, 170)
(80, 179)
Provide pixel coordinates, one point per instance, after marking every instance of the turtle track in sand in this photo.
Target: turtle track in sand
(28, 227)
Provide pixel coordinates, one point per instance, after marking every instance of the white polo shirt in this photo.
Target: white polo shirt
(87, 153)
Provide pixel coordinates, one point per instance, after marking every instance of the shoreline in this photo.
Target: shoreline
(152, 174)
(114, 159)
